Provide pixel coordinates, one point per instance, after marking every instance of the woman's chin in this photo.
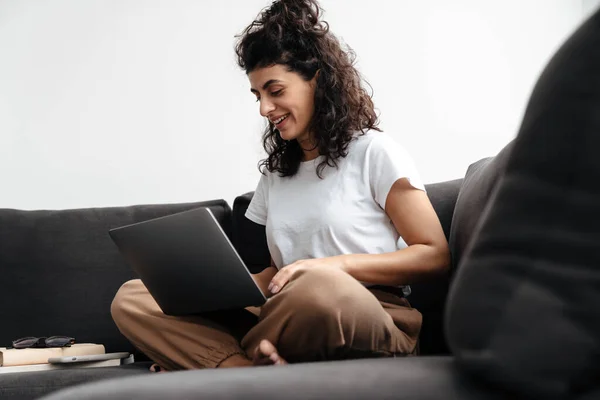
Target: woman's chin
(286, 135)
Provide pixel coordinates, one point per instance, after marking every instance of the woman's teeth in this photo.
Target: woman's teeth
(278, 120)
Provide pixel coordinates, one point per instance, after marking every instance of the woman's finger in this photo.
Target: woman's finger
(279, 281)
(277, 284)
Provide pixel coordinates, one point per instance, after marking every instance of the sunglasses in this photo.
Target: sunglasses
(41, 342)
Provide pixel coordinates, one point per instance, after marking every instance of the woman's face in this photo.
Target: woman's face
(286, 100)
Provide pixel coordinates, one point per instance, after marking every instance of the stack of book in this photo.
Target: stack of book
(36, 359)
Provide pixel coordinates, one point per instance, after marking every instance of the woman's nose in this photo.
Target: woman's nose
(266, 107)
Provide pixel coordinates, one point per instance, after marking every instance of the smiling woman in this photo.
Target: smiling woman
(287, 101)
(347, 219)
(296, 67)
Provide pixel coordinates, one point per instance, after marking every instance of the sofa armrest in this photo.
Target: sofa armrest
(415, 378)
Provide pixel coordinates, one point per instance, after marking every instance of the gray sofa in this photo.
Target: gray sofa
(519, 310)
(64, 270)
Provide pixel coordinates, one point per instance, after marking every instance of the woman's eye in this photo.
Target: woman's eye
(274, 94)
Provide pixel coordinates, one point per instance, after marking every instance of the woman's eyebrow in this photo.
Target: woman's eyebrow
(266, 85)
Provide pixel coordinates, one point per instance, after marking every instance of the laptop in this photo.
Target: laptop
(188, 264)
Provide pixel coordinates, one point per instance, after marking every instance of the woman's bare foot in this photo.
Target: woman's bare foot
(266, 354)
(156, 368)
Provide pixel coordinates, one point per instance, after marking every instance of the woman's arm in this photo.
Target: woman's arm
(415, 220)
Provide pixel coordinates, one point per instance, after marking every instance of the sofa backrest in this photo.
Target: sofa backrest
(534, 264)
(429, 298)
(60, 270)
(477, 187)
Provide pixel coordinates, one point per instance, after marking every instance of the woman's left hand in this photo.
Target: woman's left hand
(283, 276)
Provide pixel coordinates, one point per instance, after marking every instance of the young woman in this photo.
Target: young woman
(347, 219)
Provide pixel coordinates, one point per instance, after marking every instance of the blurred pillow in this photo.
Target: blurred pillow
(477, 186)
(523, 308)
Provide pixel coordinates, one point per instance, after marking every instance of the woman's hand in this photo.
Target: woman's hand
(264, 277)
(283, 276)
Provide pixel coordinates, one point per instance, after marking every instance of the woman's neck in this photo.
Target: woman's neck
(309, 148)
(310, 155)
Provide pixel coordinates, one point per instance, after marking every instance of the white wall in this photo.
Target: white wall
(590, 6)
(124, 102)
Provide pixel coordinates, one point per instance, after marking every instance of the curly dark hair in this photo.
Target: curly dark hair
(290, 33)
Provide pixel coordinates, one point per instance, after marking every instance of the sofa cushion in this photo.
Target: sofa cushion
(60, 270)
(412, 378)
(523, 310)
(476, 189)
(32, 385)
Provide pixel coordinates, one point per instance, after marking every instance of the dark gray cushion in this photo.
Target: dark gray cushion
(420, 378)
(443, 197)
(523, 310)
(32, 385)
(474, 194)
(249, 238)
(60, 270)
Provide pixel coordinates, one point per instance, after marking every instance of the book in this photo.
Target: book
(51, 367)
(12, 357)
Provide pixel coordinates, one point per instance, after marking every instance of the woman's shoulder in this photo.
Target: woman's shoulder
(374, 141)
(266, 177)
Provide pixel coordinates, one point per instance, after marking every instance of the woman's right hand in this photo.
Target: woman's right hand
(263, 279)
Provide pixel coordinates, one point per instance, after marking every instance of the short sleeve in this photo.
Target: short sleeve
(257, 209)
(387, 162)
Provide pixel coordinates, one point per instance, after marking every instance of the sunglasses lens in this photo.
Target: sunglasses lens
(59, 341)
(33, 342)
(24, 343)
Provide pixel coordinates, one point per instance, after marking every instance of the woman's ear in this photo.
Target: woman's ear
(314, 79)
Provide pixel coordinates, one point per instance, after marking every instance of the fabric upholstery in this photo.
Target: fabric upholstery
(32, 385)
(425, 378)
(523, 310)
(479, 181)
(60, 270)
(249, 238)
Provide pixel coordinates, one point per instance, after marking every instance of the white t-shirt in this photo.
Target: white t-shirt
(343, 213)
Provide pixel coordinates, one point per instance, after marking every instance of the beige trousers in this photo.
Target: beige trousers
(321, 314)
